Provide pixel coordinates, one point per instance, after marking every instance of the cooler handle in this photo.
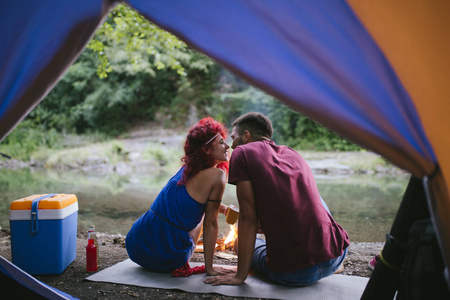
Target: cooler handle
(35, 210)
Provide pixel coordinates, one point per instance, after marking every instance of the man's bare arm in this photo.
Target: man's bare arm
(248, 226)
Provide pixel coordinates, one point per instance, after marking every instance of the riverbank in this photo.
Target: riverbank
(153, 149)
(112, 251)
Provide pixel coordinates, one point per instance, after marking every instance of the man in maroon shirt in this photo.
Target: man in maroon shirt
(278, 195)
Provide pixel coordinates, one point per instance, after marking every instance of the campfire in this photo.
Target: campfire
(228, 242)
(223, 243)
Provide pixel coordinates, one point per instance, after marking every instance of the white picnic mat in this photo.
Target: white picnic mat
(333, 287)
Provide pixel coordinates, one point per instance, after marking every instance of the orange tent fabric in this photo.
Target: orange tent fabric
(415, 36)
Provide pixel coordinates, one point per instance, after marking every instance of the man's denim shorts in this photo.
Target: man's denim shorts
(303, 277)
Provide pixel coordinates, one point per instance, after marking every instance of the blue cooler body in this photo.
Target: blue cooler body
(44, 233)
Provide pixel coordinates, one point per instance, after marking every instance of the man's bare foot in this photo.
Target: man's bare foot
(340, 269)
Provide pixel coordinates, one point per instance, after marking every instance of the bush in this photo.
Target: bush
(26, 138)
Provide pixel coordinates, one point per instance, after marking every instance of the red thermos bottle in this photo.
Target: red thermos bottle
(91, 254)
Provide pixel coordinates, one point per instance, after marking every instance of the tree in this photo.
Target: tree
(126, 36)
(132, 71)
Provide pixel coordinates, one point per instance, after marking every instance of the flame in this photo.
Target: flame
(231, 236)
(222, 243)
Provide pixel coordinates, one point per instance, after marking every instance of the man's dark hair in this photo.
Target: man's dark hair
(256, 123)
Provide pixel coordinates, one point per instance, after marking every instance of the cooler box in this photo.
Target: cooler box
(44, 232)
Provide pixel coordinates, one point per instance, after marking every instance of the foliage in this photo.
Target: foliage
(290, 127)
(27, 138)
(133, 72)
(130, 71)
(167, 158)
(128, 36)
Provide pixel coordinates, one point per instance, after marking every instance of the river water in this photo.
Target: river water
(364, 205)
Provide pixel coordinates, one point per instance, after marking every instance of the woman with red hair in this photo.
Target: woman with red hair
(164, 238)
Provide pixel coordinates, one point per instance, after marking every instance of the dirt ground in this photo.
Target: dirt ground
(112, 251)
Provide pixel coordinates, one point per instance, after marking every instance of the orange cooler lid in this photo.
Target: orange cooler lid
(58, 201)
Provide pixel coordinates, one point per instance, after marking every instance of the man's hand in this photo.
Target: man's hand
(229, 279)
(220, 271)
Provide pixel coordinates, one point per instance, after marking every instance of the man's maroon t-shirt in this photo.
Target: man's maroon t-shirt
(299, 231)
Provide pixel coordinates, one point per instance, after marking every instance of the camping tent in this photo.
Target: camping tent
(373, 72)
(26, 286)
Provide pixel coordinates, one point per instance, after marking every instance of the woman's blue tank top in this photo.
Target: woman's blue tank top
(159, 240)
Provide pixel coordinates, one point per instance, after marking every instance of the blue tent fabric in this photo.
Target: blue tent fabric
(39, 41)
(313, 55)
(24, 286)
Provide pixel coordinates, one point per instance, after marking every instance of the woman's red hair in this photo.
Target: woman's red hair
(195, 158)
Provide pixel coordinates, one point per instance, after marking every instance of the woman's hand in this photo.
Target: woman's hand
(229, 279)
(223, 209)
(220, 271)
